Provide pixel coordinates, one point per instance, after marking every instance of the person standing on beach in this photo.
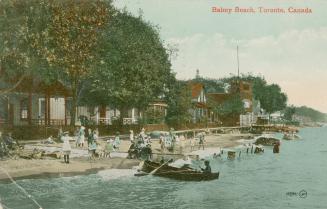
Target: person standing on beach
(201, 141)
(117, 141)
(108, 149)
(172, 138)
(89, 137)
(81, 136)
(162, 142)
(93, 146)
(192, 143)
(76, 135)
(66, 148)
(131, 136)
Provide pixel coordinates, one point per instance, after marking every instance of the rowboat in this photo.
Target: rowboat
(182, 174)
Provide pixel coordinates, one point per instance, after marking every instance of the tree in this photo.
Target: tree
(179, 102)
(233, 106)
(135, 67)
(258, 84)
(270, 96)
(19, 21)
(70, 41)
(314, 115)
(274, 100)
(212, 85)
(289, 111)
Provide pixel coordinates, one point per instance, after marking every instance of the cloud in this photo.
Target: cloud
(295, 59)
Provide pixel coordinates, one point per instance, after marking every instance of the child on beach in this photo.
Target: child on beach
(131, 136)
(66, 148)
(162, 144)
(108, 149)
(80, 137)
(117, 141)
(93, 145)
(201, 141)
(192, 143)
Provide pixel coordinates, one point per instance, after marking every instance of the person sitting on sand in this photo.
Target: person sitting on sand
(66, 148)
(132, 151)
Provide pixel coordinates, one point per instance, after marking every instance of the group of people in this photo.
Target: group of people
(140, 145)
(91, 136)
(170, 140)
(7, 143)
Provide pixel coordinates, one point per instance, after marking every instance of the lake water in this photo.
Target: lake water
(251, 181)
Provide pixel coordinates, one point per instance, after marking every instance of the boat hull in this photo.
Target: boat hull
(183, 174)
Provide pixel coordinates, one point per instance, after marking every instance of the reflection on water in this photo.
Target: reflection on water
(253, 181)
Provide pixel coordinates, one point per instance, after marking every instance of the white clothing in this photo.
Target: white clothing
(66, 145)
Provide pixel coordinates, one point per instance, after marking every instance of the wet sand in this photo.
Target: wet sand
(82, 165)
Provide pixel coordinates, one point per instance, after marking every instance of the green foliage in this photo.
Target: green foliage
(211, 85)
(270, 96)
(153, 116)
(179, 102)
(313, 114)
(57, 38)
(274, 99)
(135, 67)
(19, 21)
(231, 107)
(289, 111)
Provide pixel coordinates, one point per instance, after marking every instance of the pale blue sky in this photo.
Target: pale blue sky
(288, 49)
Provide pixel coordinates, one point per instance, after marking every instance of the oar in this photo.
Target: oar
(152, 172)
(155, 170)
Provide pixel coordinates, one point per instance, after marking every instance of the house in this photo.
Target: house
(35, 103)
(216, 98)
(244, 89)
(199, 101)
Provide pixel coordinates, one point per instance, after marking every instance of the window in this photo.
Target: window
(24, 109)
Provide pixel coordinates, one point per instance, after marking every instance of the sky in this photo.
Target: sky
(287, 49)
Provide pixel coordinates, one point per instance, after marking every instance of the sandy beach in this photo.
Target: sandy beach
(80, 164)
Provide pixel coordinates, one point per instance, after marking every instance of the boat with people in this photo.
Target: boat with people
(184, 173)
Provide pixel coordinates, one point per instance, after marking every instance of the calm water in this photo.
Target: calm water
(253, 181)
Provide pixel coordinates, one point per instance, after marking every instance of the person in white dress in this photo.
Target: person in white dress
(66, 148)
(81, 136)
(131, 136)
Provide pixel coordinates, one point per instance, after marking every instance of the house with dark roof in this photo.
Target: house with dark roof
(244, 89)
(199, 100)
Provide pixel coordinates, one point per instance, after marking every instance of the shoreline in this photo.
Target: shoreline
(53, 168)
